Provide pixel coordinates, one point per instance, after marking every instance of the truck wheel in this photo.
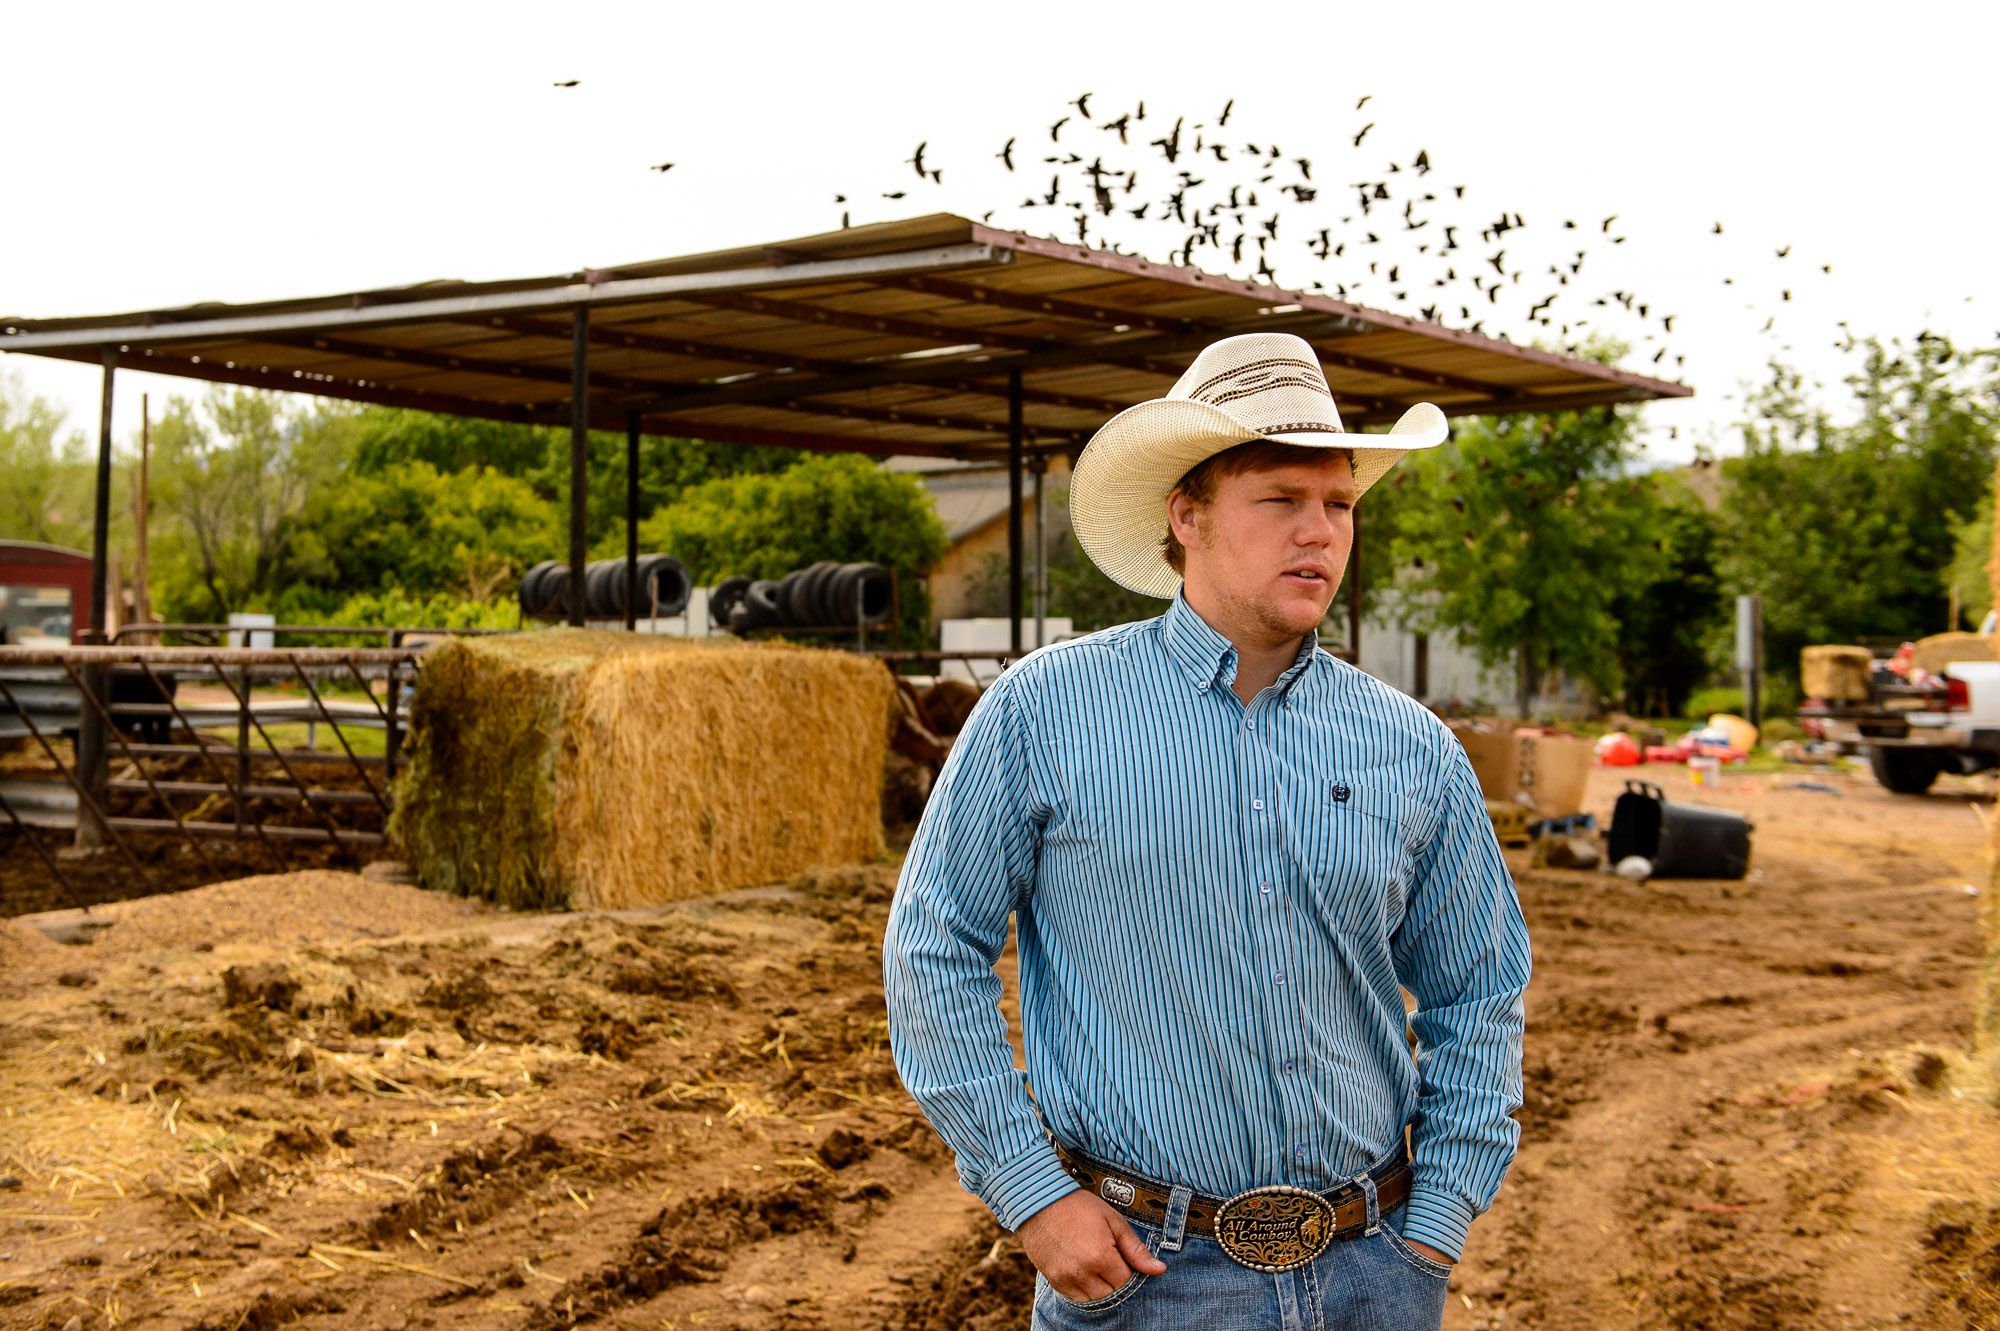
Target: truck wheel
(1905, 771)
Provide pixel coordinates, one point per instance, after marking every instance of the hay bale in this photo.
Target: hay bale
(575, 768)
(1941, 649)
(1835, 674)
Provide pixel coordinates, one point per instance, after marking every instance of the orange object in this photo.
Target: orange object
(1618, 749)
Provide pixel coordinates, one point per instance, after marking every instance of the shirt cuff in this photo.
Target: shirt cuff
(1021, 1187)
(1438, 1218)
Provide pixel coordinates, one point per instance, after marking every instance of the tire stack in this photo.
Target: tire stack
(545, 588)
(828, 594)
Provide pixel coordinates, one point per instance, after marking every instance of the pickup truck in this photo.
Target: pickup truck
(1912, 725)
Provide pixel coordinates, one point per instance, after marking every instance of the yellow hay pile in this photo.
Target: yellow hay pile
(1941, 649)
(1835, 674)
(588, 769)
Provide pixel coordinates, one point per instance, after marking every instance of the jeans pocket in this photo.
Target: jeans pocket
(1105, 1304)
(1421, 1263)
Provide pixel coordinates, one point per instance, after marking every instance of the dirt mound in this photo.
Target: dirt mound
(690, 1117)
(273, 910)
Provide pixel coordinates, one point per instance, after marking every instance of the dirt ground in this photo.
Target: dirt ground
(316, 1099)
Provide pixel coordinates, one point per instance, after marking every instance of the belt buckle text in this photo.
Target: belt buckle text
(1275, 1228)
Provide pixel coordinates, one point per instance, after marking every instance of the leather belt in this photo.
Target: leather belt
(1267, 1229)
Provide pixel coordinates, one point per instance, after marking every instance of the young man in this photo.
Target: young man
(1227, 854)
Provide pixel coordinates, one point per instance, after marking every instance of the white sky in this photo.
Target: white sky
(162, 155)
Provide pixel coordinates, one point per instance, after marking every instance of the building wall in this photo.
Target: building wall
(1455, 676)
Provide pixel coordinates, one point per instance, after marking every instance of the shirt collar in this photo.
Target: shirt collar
(1207, 658)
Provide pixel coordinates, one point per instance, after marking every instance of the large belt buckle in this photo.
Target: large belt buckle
(1275, 1228)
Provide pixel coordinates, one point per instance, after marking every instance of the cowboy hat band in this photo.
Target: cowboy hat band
(1244, 388)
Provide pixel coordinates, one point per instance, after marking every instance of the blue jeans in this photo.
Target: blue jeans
(1371, 1283)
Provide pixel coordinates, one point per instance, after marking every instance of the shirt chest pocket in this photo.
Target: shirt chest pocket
(1354, 852)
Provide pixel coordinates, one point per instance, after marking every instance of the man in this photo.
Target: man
(1227, 855)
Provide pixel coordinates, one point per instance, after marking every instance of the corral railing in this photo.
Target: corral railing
(201, 755)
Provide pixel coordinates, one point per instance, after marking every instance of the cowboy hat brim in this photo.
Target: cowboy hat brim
(1118, 494)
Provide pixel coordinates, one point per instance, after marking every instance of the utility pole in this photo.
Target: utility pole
(1750, 655)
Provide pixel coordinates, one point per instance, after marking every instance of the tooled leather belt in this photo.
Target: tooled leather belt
(1267, 1229)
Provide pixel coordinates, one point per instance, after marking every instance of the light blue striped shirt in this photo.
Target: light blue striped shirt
(1218, 908)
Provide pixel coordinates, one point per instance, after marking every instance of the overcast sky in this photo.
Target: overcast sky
(162, 155)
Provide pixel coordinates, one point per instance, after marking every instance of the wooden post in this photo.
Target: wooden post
(579, 458)
(1014, 442)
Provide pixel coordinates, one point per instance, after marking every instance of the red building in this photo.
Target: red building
(44, 593)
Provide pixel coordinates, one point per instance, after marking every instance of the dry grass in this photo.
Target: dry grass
(586, 769)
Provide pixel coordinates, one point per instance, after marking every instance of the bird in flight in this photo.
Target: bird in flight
(1082, 105)
(1056, 128)
(567, 83)
(1006, 154)
(917, 159)
(1364, 133)
(663, 167)
(1363, 102)
(1227, 107)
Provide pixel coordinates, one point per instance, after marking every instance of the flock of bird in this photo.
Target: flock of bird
(1375, 229)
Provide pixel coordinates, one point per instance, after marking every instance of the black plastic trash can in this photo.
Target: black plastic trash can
(1682, 840)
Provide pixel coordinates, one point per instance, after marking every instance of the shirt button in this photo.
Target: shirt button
(1299, 1154)
(1257, 804)
(1266, 887)
(1288, 1065)
(1249, 725)
(1277, 977)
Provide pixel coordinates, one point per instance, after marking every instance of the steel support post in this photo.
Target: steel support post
(1039, 465)
(631, 518)
(1354, 592)
(92, 765)
(579, 458)
(1014, 445)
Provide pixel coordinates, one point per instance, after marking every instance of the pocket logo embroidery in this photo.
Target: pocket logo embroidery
(1117, 1191)
(1341, 792)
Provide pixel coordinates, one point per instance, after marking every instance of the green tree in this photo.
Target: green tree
(49, 474)
(1668, 613)
(1522, 535)
(1971, 581)
(539, 455)
(825, 506)
(228, 499)
(1848, 530)
(410, 527)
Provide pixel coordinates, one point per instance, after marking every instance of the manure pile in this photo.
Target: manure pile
(668, 1118)
(589, 769)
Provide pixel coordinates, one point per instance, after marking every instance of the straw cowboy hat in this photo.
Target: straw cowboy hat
(1255, 386)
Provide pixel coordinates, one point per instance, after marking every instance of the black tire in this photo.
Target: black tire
(603, 592)
(531, 587)
(667, 578)
(758, 608)
(812, 599)
(871, 583)
(1904, 771)
(790, 597)
(724, 597)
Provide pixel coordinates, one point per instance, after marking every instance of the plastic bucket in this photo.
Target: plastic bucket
(1681, 840)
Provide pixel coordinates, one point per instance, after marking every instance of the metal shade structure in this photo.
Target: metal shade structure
(933, 336)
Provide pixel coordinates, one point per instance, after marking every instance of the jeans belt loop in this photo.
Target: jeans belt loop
(1174, 1229)
(1367, 1184)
